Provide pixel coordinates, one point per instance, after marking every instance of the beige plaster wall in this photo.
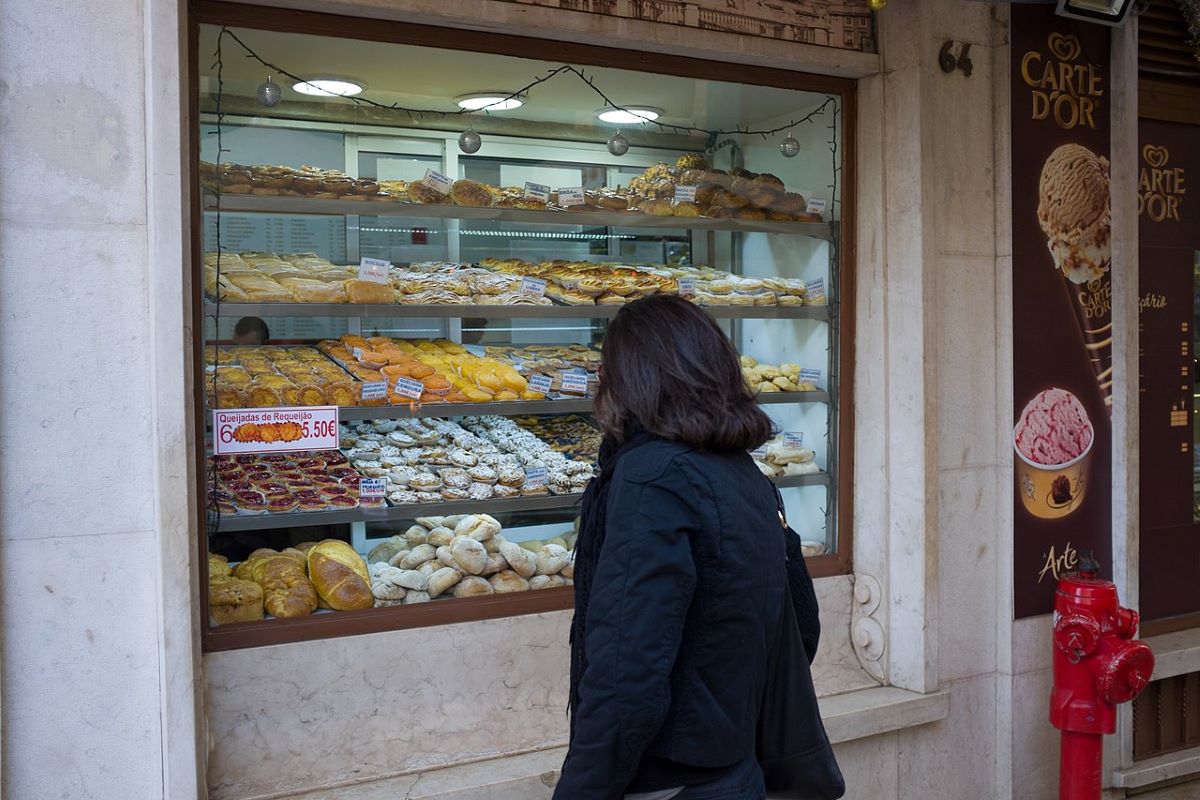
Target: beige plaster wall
(95, 580)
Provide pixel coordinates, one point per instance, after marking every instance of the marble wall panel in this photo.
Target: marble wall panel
(870, 767)
(954, 758)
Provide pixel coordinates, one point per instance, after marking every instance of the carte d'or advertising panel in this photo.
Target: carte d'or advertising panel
(1168, 260)
(1062, 301)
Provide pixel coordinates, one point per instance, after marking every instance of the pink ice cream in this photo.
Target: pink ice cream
(1054, 428)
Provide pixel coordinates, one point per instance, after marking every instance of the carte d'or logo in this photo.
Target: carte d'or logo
(1064, 48)
(1067, 92)
(1160, 189)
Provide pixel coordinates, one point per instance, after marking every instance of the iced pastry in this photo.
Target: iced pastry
(1074, 212)
(1054, 428)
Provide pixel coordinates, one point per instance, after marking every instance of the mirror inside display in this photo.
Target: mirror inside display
(447, 302)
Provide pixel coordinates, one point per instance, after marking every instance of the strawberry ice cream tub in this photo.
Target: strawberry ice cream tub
(1053, 441)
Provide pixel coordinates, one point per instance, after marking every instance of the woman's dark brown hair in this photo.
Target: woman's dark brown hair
(668, 368)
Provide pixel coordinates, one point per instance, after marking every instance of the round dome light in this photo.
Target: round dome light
(630, 115)
(328, 87)
(490, 101)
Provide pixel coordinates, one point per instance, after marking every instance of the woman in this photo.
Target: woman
(680, 571)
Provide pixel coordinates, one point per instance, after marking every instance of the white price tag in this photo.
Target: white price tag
(374, 390)
(537, 191)
(540, 383)
(571, 197)
(814, 289)
(372, 487)
(687, 287)
(793, 439)
(536, 477)
(759, 453)
(410, 388)
(275, 430)
(535, 287)
(812, 376)
(574, 383)
(373, 269)
(685, 194)
(436, 180)
(356, 352)
(816, 205)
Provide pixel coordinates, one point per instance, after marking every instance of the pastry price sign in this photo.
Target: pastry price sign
(535, 477)
(372, 487)
(374, 390)
(687, 287)
(535, 287)
(685, 194)
(274, 430)
(574, 383)
(410, 388)
(436, 180)
(816, 205)
(571, 197)
(373, 269)
(537, 191)
(540, 383)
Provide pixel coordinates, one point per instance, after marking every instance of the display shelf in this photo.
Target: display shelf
(790, 481)
(304, 205)
(581, 405)
(494, 506)
(552, 502)
(398, 311)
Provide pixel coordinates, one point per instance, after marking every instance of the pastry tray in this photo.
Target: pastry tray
(399, 311)
(232, 523)
(590, 219)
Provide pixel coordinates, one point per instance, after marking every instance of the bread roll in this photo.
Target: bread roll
(429, 523)
(440, 537)
(492, 545)
(416, 597)
(469, 554)
(418, 556)
(429, 567)
(442, 580)
(551, 559)
(340, 576)
(568, 570)
(385, 550)
(520, 560)
(472, 586)
(508, 581)
(547, 581)
(479, 527)
(411, 579)
(416, 535)
(495, 563)
(399, 557)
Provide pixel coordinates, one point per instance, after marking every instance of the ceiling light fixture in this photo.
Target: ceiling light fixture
(490, 101)
(328, 87)
(629, 115)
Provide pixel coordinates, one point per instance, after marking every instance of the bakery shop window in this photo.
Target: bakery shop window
(407, 441)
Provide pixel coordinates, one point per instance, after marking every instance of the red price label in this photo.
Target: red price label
(275, 430)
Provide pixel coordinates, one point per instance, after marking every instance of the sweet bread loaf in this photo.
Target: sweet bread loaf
(340, 576)
(287, 591)
(359, 291)
(420, 192)
(470, 193)
(232, 600)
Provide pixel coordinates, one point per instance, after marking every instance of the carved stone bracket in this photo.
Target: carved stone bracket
(866, 630)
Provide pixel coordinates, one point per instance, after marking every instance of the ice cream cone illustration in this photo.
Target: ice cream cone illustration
(1075, 215)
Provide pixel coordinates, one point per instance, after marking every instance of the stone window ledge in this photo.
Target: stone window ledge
(531, 776)
(1175, 653)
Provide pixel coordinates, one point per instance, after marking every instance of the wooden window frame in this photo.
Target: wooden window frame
(323, 626)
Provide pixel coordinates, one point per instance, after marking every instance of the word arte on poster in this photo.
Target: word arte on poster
(1068, 91)
(1059, 564)
(1160, 189)
(252, 430)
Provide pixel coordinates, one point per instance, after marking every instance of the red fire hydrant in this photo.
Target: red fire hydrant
(1096, 666)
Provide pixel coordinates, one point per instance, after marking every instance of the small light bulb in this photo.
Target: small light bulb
(790, 147)
(618, 145)
(469, 141)
(877, 5)
(269, 93)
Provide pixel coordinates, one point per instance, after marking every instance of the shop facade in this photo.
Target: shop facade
(930, 688)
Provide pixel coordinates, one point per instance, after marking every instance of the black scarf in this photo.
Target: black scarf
(587, 548)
